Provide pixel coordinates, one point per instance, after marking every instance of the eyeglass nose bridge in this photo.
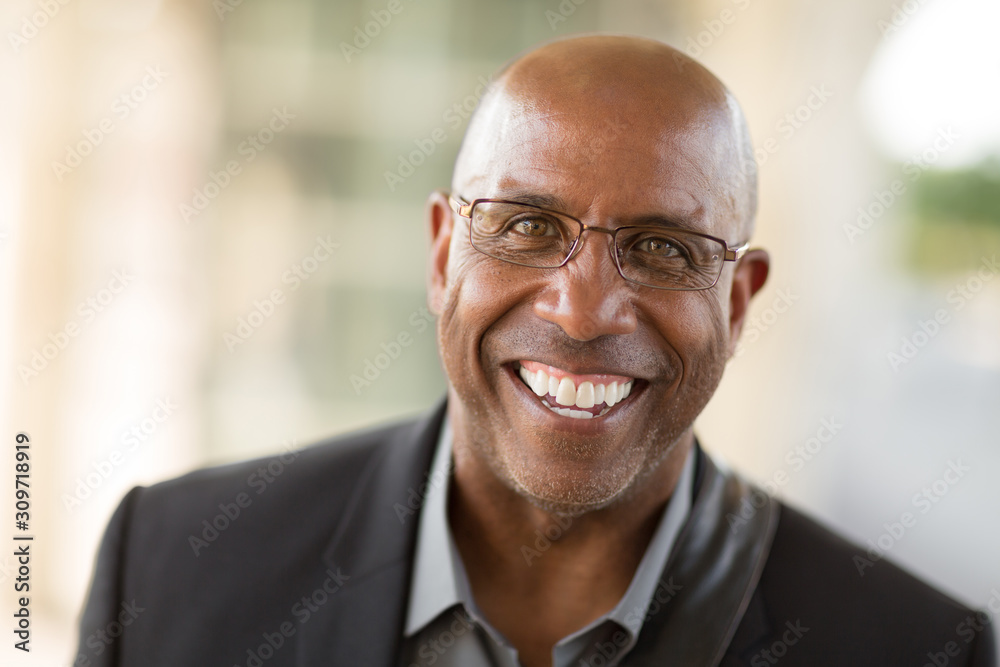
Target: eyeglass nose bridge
(578, 244)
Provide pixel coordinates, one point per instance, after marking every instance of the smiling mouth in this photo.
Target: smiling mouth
(574, 396)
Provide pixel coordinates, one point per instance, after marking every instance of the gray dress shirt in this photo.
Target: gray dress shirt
(445, 628)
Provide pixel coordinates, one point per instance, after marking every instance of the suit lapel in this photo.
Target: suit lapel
(715, 567)
(372, 548)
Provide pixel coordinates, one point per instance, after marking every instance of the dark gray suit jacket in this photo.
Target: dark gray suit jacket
(306, 561)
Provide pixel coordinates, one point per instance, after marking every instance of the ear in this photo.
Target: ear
(749, 276)
(439, 226)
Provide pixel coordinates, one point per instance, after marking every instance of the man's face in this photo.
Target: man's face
(582, 322)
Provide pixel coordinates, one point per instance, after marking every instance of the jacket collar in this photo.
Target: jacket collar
(715, 569)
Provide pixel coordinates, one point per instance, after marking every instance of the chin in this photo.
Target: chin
(569, 504)
(571, 487)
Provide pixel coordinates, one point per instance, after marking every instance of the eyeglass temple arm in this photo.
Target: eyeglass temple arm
(735, 253)
(460, 207)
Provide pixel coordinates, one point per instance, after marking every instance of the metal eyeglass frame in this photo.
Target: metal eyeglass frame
(464, 209)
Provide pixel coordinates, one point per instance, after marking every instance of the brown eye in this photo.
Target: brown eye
(658, 247)
(534, 227)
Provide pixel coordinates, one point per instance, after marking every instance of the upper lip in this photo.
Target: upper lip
(576, 368)
(532, 340)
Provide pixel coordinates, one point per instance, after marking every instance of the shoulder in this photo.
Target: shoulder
(212, 557)
(808, 555)
(284, 491)
(835, 601)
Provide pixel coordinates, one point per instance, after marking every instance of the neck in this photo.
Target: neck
(539, 576)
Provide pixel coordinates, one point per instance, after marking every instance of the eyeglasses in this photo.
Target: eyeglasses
(660, 257)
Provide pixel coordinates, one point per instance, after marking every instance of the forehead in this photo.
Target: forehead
(629, 157)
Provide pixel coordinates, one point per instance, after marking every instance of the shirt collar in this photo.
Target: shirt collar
(439, 579)
(435, 586)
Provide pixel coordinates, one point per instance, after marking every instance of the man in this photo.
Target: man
(590, 274)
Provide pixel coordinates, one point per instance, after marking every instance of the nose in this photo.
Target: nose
(587, 297)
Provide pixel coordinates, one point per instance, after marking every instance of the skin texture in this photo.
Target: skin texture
(614, 131)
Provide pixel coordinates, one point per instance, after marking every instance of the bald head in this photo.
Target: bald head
(608, 94)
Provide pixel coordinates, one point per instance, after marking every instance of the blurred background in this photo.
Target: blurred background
(211, 237)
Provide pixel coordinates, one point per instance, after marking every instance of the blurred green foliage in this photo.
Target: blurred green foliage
(956, 218)
(968, 195)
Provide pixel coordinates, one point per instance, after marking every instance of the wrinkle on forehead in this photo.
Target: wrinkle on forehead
(680, 173)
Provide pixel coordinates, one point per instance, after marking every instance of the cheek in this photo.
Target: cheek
(691, 318)
(694, 325)
(717, 319)
(708, 358)
(480, 291)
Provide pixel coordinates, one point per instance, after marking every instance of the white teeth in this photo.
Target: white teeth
(566, 392)
(540, 383)
(611, 394)
(575, 414)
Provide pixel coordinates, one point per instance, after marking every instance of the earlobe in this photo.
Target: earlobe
(749, 276)
(439, 227)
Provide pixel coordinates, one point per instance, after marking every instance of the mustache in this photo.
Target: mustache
(632, 355)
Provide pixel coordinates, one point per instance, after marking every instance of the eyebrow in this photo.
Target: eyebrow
(540, 200)
(691, 222)
(688, 222)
